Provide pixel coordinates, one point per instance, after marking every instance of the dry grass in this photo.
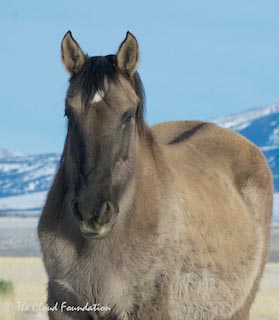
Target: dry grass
(29, 279)
(266, 305)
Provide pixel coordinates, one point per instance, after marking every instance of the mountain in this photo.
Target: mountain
(23, 174)
(25, 179)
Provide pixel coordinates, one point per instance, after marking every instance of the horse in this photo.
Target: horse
(167, 222)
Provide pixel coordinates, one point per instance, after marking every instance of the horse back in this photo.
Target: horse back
(207, 147)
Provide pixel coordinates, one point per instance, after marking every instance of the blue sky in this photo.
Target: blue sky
(199, 59)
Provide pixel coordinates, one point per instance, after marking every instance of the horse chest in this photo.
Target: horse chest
(99, 284)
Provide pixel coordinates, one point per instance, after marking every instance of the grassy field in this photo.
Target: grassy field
(266, 305)
(29, 279)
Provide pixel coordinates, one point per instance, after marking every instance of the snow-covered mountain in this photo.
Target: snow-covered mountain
(22, 174)
(25, 179)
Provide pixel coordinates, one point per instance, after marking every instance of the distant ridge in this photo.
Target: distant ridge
(241, 120)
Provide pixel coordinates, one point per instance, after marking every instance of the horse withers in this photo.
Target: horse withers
(167, 222)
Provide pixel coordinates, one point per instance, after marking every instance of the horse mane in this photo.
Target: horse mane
(99, 69)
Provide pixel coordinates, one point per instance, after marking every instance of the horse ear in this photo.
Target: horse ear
(128, 54)
(72, 55)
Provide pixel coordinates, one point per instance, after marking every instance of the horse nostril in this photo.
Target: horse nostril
(104, 214)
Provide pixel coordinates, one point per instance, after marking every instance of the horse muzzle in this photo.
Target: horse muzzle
(98, 225)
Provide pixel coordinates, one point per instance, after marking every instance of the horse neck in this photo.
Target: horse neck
(151, 163)
(151, 173)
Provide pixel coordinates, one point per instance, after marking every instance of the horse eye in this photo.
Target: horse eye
(127, 121)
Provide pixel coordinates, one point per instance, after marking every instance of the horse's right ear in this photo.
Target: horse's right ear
(72, 55)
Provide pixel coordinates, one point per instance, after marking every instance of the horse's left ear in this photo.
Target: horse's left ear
(128, 54)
